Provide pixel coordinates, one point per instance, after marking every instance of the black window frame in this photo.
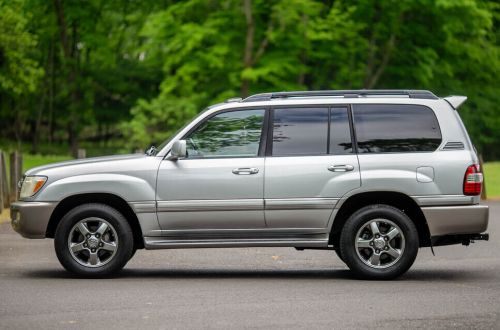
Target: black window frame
(329, 107)
(263, 133)
(353, 124)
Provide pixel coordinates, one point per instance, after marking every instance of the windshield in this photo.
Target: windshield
(164, 143)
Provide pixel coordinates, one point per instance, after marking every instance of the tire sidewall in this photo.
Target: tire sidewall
(360, 218)
(115, 218)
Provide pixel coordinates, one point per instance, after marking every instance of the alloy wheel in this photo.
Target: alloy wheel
(93, 242)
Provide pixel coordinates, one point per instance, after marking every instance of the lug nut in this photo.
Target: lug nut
(93, 250)
(101, 245)
(377, 236)
(386, 238)
(377, 251)
(85, 244)
(387, 248)
(88, 235)
(371, 243)
(97, 235)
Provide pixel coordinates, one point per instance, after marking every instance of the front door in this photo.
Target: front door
(311, 164)
(220, 184)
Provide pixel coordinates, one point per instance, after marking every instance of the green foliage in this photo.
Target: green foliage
(19, 71)
(446, 46)
(135, 71)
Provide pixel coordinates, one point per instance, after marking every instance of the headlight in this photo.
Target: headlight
(31, 185)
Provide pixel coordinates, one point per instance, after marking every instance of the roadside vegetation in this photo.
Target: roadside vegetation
(117, 75)
(492, 179)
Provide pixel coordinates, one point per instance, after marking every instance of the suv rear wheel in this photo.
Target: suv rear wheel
(379, 242)
(93, 240)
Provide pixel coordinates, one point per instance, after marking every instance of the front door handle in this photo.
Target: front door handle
(340, 168)
(246, 171)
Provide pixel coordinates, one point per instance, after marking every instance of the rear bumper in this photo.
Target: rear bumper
(30, 219)
(451, 220)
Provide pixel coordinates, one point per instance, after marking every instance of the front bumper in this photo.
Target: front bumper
(451, 220)
(30, 219)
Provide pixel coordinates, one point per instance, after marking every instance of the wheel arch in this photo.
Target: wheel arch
(112, 200)
(399, 200)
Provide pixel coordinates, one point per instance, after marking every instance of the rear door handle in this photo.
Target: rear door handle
(246, 171)
(340, 168)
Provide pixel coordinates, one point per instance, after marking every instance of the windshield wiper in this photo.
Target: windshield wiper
(151, 151)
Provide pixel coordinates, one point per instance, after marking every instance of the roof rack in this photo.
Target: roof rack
(413, 94)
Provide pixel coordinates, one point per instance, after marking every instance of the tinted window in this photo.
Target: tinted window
(340, 132)
(300, 131)
(396, 128)
(229, 134)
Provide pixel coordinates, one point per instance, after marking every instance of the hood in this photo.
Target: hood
(78, 163)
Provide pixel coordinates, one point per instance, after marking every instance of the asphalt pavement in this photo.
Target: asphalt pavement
(277, 288)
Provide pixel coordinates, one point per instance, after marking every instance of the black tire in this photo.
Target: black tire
(359, 259)
(119, 225)
(133, 253)
(338, 252)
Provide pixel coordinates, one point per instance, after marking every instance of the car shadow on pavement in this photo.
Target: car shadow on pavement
(444, 275)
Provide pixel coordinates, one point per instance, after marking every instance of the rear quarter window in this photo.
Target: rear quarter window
(395, 128)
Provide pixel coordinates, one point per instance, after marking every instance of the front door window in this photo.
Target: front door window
(228, 134)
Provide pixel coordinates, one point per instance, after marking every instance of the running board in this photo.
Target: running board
(151, 243)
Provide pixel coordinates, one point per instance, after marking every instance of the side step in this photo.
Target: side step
(152, 243)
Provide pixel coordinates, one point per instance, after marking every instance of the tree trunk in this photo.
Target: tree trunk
(247, 58)
(51, 92)
(70, 55)
(38, 123)
(303, 52)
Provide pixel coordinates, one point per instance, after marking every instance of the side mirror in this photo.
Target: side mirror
(178, 150)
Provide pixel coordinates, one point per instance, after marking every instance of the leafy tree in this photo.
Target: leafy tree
(131, 72)
(20, 73)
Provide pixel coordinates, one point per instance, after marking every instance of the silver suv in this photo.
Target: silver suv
(370, 174)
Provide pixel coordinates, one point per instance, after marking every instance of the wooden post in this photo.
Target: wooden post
(16, 170)
(1, 181)
(82, 153)
(483, 192)
(4, 187)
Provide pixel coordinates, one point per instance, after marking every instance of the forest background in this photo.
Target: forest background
(114, 76)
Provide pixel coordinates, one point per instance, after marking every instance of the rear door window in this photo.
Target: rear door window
(300, 131)
(395, 128)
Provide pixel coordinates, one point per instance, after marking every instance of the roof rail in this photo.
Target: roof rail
(233, 99)
(414, 94)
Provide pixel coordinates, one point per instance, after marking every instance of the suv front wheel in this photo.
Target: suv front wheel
(379, 242)
(93, 240)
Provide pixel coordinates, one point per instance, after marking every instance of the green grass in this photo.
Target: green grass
(492, 179)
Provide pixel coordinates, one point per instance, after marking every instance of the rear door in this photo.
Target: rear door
(310, 164)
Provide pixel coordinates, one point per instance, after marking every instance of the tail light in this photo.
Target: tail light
(473, 180)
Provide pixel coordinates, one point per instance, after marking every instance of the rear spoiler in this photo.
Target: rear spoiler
(455, 100)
